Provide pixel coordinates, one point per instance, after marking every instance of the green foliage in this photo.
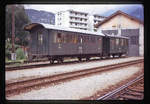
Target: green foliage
(8, 50)
(21, 19)
(20, 54)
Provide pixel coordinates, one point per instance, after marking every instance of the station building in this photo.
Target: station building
(123, 24)
(77, 20)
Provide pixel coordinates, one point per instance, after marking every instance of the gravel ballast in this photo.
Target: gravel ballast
(18, 75)
(79, 88)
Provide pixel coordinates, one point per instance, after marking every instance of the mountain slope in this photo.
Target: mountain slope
(135, 11)
(40, 16)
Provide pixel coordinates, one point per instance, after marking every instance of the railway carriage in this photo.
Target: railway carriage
(115, 45)
(56, 43)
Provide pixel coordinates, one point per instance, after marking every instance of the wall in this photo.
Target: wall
(122, 22)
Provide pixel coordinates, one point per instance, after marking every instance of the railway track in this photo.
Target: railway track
(25, 62)
(133, 90)
(23, 86)
(22, 67)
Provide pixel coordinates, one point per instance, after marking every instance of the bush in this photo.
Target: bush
(20, 54)
(8, 50)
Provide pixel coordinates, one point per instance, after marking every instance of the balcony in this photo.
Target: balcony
(78, 21)
(99, 19)
(79, 26)
(79, 16)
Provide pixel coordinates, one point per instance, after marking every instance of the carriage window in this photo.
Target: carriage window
(117, 41)
(80, 39)
(59, 38)
(74, 39)
(69, 38)
(84, 39)
(93, 39)
(40, 38)
(99, 39)
(87, 39)
(112, 42)
(122, 42)
(125, 42)
(64, 40)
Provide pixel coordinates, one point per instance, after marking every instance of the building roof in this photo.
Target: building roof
(116, 36)
(115, 14)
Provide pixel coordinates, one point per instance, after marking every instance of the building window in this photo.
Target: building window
(134, 40)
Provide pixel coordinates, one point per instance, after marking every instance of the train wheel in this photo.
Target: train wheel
(87, 58)
(51, 61)
(30, 58)
(60, 60)
(120, 55)
(79, 58)
(113, 55)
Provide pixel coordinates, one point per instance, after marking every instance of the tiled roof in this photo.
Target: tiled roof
(115, 14)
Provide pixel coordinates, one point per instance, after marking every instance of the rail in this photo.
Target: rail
(17, 87)
(114, 92)
(22, 67)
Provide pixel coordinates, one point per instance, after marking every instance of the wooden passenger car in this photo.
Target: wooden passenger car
(56, 43)
(115, 45)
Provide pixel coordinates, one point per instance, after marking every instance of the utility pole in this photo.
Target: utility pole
(13, 54)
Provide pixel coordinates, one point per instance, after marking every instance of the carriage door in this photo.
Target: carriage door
(80, 48)
(106, 46)
(42, 42)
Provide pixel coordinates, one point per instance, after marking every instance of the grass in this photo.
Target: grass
(15, 62)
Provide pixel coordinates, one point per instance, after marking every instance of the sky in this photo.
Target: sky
(92, 9)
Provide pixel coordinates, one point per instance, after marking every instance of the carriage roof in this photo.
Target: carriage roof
(53, 27)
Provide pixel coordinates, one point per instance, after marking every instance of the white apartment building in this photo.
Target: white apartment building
(76, 19)
(97, 19)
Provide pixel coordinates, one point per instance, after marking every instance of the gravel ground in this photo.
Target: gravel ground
(79, 88)
(18, 75)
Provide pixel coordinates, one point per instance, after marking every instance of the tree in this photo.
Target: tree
(21, 19)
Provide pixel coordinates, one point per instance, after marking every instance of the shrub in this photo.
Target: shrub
(20, 54)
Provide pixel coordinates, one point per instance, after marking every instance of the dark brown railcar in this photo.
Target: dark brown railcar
(115, 45)
(56, 43)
